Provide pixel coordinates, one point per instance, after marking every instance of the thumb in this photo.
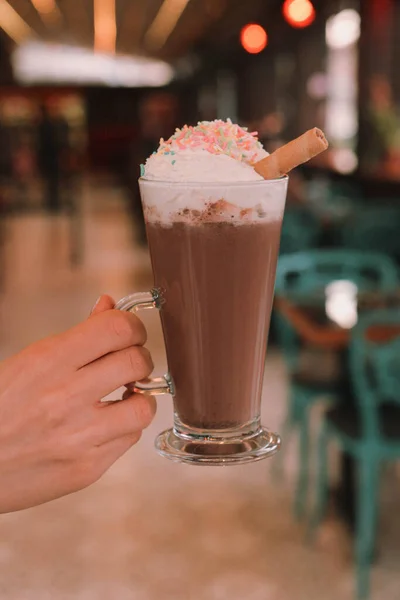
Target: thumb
(102, 303)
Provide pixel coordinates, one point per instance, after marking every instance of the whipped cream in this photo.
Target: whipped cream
(198, 166)
(212, 151)
(204, 174)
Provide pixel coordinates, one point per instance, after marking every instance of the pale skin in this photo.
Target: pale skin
(56, 436)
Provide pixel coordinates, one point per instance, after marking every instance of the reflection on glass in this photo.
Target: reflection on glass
(341, 303)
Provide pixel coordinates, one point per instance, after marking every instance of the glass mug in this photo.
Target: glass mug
(214, 250)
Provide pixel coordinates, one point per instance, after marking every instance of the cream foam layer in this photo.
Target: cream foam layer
(168, 203)
(200, 165)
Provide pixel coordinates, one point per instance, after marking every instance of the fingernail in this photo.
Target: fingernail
(95, 304)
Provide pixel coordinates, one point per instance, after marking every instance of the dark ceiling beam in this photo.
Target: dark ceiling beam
(78, 23)
(131, 22)
(6, 72)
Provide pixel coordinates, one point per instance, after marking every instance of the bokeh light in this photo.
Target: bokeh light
(299, 13)
(317, 86)
(343, 29)
(341, 303)
(253, 38)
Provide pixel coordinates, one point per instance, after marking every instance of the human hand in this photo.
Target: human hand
(56, 437)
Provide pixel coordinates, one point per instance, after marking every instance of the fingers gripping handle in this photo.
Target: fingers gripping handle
(144, 301)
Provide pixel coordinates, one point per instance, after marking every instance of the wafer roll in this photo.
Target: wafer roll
(293, 154)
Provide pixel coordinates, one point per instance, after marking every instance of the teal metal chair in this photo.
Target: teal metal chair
(311, 271)
(368, 431)
(302, 275)
(300, 231)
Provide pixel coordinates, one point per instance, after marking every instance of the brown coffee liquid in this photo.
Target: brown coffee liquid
(218, 281)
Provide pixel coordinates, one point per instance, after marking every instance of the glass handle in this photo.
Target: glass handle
(144, 301)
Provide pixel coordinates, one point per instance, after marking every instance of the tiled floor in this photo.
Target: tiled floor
(151, 529)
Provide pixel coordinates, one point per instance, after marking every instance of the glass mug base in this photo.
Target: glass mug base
(207, 450)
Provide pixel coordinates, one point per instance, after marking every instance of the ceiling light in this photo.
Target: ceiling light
(47, 9)
(253, 38)
(299, 13)
(14, 26)
(105, 27)
(41, 63)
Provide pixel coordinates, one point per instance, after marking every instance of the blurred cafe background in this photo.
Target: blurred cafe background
(87, 88)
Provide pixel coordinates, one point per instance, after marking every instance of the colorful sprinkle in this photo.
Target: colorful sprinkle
(216, 137)
(142, 170)
(173, 162)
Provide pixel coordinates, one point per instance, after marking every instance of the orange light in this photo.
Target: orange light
(253, 38)
(298, 13)
(105, 28)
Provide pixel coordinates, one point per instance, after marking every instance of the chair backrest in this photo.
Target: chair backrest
(374, 229)
(310, 271)
(375, 365)
(314, 269)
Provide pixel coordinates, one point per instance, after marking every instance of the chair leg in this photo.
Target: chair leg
(304, 452)
(367, 511)
(277, 463)
(291, 420)
(321, 482)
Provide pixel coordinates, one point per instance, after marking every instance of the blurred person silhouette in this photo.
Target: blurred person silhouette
(52, 145)
(23, 165)
(57, 436)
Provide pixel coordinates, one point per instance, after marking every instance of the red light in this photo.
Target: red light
(298, 13)
(253, 38)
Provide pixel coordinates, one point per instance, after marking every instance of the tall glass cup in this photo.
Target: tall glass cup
(214, 249)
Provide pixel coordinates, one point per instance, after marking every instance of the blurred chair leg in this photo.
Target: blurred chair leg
(295, 407)
(304, 453)
(367, 511)
(76, 232)
(277, 465)
(321, 482)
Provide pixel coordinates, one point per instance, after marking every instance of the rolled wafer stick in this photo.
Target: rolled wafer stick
(292, 155)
